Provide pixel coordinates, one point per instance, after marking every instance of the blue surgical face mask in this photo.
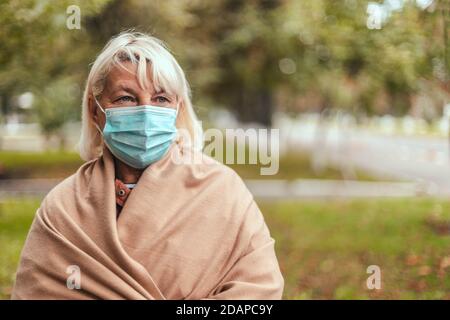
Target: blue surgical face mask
(139, 135)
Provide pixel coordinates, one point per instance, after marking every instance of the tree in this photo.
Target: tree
(55, 105)
(37, 48)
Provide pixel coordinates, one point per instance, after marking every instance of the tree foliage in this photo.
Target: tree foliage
(253, 57)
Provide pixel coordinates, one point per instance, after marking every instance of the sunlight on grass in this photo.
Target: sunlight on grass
(55, 164)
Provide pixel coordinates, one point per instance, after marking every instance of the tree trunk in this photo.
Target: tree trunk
(255, 105)
(5, 99)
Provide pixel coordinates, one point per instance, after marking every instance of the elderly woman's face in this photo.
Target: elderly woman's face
(122, 90)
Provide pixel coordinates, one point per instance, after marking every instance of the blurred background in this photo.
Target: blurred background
(358, 89)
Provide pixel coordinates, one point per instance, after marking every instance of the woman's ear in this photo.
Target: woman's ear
(92, 109)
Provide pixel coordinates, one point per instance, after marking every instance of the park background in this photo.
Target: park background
(358, 89)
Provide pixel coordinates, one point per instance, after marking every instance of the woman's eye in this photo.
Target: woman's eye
(125, 99)
(162, 99)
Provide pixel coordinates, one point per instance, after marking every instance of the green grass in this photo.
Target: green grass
(58, 164)
(16, 216)
(54, 164)
(323, 248)
(297, 165)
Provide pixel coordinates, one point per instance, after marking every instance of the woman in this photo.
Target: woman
(140, 220)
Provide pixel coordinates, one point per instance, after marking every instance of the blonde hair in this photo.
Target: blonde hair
(167, 75)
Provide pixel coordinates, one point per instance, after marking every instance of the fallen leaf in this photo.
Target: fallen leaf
(412, 259)
(445, 263)
(424, 270)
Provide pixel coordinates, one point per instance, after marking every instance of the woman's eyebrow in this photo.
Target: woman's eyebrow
(131, 90)
(159, 92)
(162, 91)
(123, 87)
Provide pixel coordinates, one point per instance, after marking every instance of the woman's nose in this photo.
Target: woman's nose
(145, 100)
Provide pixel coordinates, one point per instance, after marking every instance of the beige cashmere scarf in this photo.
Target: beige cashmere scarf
(187, 231)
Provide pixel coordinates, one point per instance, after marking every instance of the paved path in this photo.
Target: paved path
(265, 189)
(26, 187)
(423, 160)
(310, 189)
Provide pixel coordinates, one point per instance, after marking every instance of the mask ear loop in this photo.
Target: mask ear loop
(95, 123)
(178, 136)
(178, 108)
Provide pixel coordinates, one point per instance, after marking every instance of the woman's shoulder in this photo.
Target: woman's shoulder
(203, 165)
(220, 184)
(204, 171)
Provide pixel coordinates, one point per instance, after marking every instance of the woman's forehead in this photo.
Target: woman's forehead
(125, 76)
(140, 77)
